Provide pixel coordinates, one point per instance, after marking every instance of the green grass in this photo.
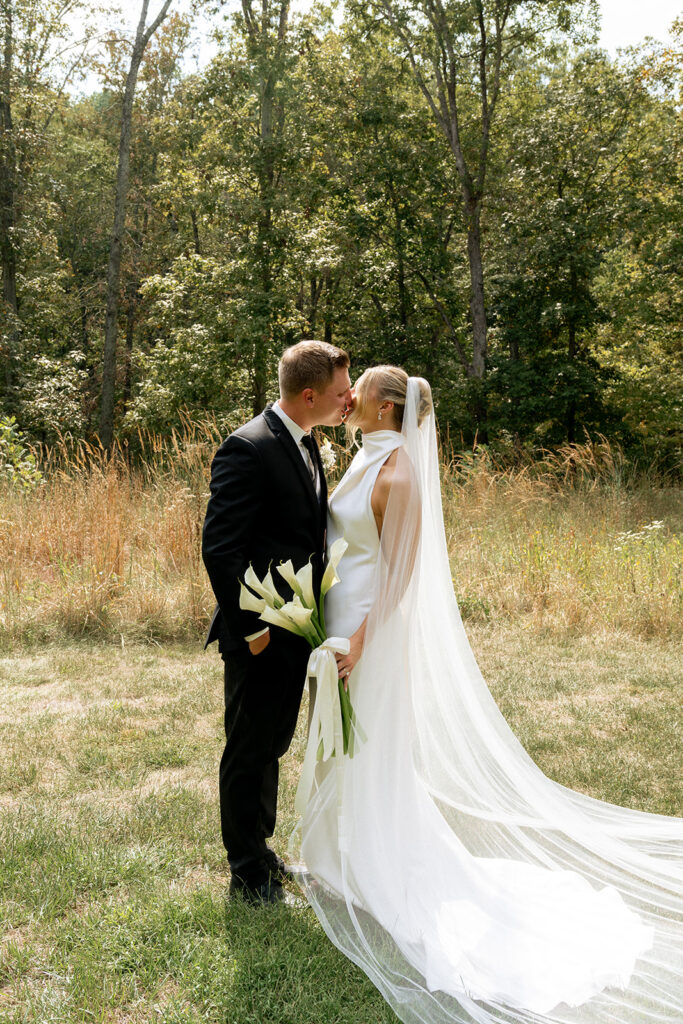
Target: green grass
(112, 874)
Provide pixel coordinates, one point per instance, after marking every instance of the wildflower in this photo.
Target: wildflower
(327, 455)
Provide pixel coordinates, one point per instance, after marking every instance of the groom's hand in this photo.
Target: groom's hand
(260, 643)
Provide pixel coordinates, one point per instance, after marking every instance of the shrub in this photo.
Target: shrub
(17, 462)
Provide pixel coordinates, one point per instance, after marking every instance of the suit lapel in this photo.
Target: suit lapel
(283, 435)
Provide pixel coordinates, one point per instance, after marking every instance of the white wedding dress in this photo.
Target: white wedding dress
(467, 885)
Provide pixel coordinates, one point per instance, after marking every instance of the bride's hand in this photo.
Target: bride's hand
(347, 662)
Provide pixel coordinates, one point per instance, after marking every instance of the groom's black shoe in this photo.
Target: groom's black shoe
(282, 872)
(257, 893)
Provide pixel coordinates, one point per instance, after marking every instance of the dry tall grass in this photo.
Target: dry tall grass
(572, 541)
(110, 545)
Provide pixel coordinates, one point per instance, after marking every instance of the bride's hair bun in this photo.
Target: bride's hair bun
(425, 406)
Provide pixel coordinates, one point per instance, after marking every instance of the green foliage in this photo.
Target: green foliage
(640, 284)
(52, 399)
(17, 463)
(193, 362)
(300, 186)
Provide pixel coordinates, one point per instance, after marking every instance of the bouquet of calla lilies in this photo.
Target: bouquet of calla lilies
(302, 615)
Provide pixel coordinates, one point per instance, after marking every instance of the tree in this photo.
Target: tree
(39, 59)
(8, 161)
(561, 216)
(142, 37)
(266, 35)
(383, 217)
(639, 285)
(462, 56)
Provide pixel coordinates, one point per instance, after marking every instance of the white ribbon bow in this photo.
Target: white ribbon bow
(326, 719)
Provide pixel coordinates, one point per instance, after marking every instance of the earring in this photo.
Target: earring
(379, 415)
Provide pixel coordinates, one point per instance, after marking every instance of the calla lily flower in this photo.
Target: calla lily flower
(297, 612)
(275, 617)
(336, 553)
(286, 570)
(302, 617)
(266, 588)
(301, 582)
(305, 580)
(250, 602)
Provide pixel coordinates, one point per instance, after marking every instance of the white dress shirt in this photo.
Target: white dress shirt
(298, 433)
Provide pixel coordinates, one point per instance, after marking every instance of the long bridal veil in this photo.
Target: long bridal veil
(470, 887)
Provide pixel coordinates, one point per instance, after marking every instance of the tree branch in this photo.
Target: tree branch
(157, 21)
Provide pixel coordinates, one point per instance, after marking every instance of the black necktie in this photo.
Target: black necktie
(309, 445)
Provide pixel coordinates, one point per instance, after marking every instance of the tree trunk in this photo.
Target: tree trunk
(258, 381)
(403, 301)
(114, 268)
(133, 299)
(571, 349)
(263, 254)
(477, 305)
(444, 51)
(259, 373)
(478, 409)
(143, 36)
(316, 286)
(85, 337)
(7, 206)
(313, 286)
(571, 404)
(266, 45)
(477, 368)
(327, 314)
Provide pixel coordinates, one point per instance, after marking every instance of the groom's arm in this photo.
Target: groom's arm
(237, 493)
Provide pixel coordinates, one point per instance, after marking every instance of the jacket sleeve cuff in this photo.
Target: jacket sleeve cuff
(254, 636)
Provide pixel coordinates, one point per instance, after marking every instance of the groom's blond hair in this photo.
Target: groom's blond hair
(309, 364)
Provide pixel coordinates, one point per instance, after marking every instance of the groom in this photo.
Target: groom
(268, 504)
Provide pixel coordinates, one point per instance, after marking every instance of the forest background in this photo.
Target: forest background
(475, 191)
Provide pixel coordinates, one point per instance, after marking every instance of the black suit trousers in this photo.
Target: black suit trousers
(262, 700)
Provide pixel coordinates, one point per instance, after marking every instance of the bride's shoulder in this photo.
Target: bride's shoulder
(396, 477)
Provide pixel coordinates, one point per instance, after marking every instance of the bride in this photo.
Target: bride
(468, 886)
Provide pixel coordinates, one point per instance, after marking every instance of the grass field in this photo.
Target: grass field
(112, 875)
(569, 574)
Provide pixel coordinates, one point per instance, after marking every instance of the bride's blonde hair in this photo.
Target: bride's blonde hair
(387, 384)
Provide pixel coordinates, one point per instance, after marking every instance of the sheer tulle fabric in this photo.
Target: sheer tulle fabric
(467, 885)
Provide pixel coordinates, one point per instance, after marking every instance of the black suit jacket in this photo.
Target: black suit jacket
(263, 510)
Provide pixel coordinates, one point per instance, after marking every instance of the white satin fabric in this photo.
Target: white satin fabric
(470, 888)
(350, 516)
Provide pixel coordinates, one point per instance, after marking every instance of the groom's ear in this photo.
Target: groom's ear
(308, 396)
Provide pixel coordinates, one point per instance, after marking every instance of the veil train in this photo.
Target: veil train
(468, 886)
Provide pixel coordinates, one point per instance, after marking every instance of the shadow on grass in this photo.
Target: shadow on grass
(286, 971)
(113, 930)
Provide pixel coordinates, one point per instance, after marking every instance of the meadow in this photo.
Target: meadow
(110, 546)
(112, 875)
